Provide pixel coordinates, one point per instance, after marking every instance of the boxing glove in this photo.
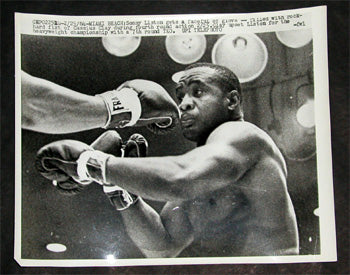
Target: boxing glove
(136, 147)
(109, 142)
(57, 161)
(140, 103)
(121, 199)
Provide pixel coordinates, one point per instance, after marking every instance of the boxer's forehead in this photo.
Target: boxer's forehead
(198, 73)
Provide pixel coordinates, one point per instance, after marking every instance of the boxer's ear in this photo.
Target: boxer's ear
(233, 100)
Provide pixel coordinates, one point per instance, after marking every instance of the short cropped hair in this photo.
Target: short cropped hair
(225, 77)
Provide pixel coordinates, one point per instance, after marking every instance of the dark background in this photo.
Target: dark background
(92, 79)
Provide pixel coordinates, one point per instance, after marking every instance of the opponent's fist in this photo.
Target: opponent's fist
(140, 103)
(136, 147)
(57, 160)
(121, 199)
(109, 142)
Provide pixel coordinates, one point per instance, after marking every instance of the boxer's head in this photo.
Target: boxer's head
(208, 95)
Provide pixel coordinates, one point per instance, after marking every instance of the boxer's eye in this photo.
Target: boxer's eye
(197, 93)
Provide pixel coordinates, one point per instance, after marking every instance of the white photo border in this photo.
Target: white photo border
(318, 22)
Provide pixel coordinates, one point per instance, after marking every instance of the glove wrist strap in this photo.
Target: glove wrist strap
(91, 165)
(120, 198)
(121, 101)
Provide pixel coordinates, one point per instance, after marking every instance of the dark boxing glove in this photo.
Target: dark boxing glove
(136, 147)
(140, 103)
(109, 142)
(57, 161)
(76, 163)
(121, 199)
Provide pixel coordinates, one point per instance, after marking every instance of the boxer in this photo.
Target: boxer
(226, 197)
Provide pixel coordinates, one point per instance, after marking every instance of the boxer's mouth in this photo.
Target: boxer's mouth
(187, 120)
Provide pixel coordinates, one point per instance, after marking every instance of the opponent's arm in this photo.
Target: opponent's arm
(51, 108)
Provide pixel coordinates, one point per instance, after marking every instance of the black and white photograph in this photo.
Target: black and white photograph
(178, 140)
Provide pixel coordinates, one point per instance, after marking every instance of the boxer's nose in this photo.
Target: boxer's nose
(186, 103)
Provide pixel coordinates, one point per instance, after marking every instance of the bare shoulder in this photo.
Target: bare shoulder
(236, 132)
(246, 138)
(248, 141)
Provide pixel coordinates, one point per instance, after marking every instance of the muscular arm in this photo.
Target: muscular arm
(51, 108)
(230, 151)
(158, 236)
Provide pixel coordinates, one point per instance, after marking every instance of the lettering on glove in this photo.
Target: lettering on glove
(140, 103)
